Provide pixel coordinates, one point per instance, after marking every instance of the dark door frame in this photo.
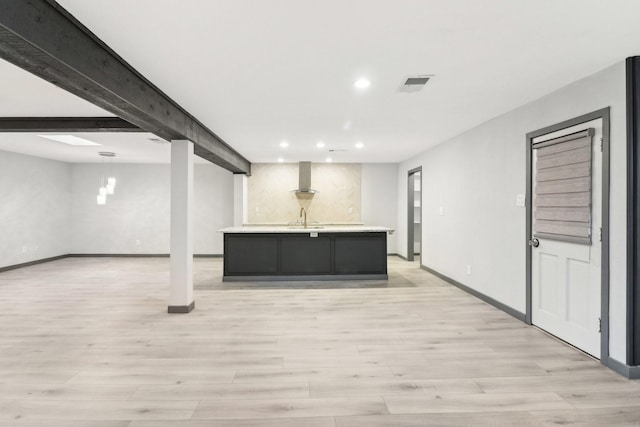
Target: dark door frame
(633, 212)
(410, 216)
(603, 114)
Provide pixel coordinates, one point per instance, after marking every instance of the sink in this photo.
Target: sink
(309, 227)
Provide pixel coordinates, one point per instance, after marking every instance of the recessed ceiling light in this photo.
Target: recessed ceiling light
(329, 160)
(362, 83)
(320, 144)
(69, 139)
(359, 144)
(280, 160)
(284, 144)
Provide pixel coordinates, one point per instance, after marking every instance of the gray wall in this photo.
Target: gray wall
(475, 178)
(34, 209)
(379, 192)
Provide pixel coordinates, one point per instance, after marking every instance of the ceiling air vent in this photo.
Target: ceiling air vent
(414, 83)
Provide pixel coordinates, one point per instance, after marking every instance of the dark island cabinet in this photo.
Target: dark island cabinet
(305, 256)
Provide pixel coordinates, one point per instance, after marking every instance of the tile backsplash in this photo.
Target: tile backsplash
(271, 201)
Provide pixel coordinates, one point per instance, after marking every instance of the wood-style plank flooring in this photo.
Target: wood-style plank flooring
(88, 342)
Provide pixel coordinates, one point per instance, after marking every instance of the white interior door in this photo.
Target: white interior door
(565, 276)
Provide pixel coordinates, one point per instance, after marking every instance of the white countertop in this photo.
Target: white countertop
(311, 229)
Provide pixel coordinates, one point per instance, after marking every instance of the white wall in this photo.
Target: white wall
(376, 184)
(212, 206)
(271, 200)
(34, 208)
(379, 192)
(475, 178)
(240, 200)
(50, 208)
(138, 211)
(135, 219)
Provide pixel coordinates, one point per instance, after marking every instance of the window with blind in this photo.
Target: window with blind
(562, 192)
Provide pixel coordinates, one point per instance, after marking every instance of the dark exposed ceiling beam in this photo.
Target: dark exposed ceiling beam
(44, 39)
(66, 124)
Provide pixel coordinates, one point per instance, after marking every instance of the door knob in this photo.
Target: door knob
(534, 242)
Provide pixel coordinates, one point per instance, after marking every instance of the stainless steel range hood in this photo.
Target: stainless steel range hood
(304, 189)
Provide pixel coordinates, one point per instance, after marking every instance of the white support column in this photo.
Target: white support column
(239, 200)
(181, 287)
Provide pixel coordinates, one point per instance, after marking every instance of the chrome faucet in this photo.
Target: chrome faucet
(304, 211)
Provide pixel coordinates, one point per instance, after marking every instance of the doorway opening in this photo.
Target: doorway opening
(414, 217)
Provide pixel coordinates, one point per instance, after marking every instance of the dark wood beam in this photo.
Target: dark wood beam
(66, 124)
(44, 39)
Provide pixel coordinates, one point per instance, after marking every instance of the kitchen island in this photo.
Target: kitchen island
(263, 253)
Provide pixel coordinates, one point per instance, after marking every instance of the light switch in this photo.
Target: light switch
(441, 211)
(313, 234)
(520, 200)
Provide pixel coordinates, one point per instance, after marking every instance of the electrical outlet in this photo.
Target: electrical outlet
(137, 242)
(468, 270)
(441, 211)
(520, 200)
(24, 249)
(350, 210)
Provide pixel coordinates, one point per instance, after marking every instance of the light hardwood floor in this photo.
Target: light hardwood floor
(88, 342)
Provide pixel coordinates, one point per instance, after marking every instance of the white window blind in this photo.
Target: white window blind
(562, 192)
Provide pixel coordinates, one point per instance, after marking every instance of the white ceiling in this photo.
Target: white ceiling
(24, 95)
(258, 72)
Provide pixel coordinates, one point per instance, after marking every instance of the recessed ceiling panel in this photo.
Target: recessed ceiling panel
(129, 147)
